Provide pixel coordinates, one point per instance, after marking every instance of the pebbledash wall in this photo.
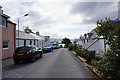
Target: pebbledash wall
(9, 34)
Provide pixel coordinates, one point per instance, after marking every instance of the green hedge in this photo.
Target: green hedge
(89, 55)
(70, 47)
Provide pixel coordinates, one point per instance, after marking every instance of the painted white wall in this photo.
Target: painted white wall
(27, 42)
(40, 43)
(32, 42)
(21, 43)
(98, 47)
(80, 42)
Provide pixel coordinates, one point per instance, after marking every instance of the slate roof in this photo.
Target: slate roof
(92, 40)
(90, 43)
(23, 35)
(94, 34)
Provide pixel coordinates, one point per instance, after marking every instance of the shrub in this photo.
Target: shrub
(78, 51)
(90, 56)
(75, 46)
(70, 47)
(84, 53)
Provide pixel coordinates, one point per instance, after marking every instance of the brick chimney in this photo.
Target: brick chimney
(85, 35)
(27, 30)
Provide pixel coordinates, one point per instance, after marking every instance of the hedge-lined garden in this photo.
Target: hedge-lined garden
(88, 55)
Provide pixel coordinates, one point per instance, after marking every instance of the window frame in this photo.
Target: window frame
(5, 47)
(5, 22)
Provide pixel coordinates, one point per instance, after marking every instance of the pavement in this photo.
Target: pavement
(61, 63)
(7, 62)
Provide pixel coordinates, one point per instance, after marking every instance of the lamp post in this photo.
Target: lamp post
(18, 26)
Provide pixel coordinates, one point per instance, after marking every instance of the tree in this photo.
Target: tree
(66, 41)
(109, 65)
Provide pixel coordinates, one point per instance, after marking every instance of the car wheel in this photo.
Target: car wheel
(16, 62)
(39, 56)
(33, 59)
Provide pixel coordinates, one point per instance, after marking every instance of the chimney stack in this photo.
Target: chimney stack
(27, 30)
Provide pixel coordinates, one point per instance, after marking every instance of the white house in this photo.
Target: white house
(92, 42)
(47, 40)
(27, 37)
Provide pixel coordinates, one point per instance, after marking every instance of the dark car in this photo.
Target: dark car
(47, 48)
(26, 53)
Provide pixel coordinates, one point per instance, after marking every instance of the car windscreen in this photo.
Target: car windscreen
(47, 46)
(55, 44)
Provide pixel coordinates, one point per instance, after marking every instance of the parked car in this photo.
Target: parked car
(27, 53)
(47, 48)
(55, 46)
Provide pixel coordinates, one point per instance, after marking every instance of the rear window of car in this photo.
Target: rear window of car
(23, 48)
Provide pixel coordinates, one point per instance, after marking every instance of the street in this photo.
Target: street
(61, 63)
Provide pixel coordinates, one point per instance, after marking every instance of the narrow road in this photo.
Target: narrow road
(57, 64)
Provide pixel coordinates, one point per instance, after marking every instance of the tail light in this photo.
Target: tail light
(29, 52)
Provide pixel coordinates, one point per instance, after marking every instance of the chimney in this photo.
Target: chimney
(85, 35)
(27, 30)
(90, 34)
(37, 33)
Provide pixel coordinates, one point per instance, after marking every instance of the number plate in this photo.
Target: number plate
(20, 54)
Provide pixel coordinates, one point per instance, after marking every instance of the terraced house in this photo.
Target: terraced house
(27, 37)
(7, 36)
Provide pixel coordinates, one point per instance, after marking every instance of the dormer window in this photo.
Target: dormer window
(4, 21)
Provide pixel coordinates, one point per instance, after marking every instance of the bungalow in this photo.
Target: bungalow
(7, 36)
(27, 37)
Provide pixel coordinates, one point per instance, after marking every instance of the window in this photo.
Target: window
(2, 21)
(87, 40)
(84, 41)
(5, 44)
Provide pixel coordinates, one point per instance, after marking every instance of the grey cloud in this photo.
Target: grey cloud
(37, 20)
(95, 10)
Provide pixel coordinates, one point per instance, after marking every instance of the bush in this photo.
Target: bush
(84, 53)
(78, 51)
(90, 56)
(75, 46)
(70, 47)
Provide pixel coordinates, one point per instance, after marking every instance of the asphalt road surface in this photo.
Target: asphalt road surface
(61, 63)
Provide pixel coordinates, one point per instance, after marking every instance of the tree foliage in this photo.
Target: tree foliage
(109, 65)
(66, 41)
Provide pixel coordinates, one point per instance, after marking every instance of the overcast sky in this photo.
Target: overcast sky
(60, 19)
